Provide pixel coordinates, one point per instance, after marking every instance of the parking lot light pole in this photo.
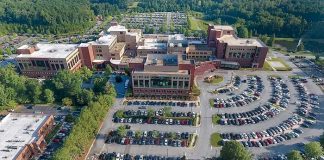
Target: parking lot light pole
(167, 152)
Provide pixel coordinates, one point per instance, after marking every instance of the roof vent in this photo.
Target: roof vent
(52, 50)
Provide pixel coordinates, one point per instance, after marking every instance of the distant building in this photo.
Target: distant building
(45, 60)
(248, 52)
(163, 75)
(22, 136)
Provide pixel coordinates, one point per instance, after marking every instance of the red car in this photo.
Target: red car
(56, 140)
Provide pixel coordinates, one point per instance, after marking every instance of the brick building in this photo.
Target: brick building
(22, 136)
(163, 75)
(248, 52)
(45, 60)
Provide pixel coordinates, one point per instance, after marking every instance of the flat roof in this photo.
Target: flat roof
(105, 40)
(24, 47)
(152, 44)
(201, 47)
(17, 130)
(117, 28)
(47, 50)
(223, 27)
(181, 72)
(235, 41)
(118, 47)
(84, 44)
(162, 59)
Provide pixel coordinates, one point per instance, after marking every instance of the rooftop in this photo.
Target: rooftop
(117, 28)
(17, 130)
(46, 50)
(202, 47)
(105, 40)
(153, 44)
(118, 47)
(179, 72)
(162, 59)
(223, 27)
(235, 41)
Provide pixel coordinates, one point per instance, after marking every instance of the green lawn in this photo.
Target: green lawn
(286, 66)
(215, 140)
(197, 24)
(320, 62)
(215, 79)
(211, 102)
(266, 66)
(216, 119)
(195, 90)
(133, 5)
(294, 76)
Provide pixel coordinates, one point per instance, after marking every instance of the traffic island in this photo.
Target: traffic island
(216, 79)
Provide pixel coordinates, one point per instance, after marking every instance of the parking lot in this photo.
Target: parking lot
(270, 113)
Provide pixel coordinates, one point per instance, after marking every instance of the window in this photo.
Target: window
(147, 83)
(186, 84)
(62, 66)
(135, 83)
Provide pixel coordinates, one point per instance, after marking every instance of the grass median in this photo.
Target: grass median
(216, 119)
(215, 140)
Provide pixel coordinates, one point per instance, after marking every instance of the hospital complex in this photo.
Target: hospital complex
(159, 64)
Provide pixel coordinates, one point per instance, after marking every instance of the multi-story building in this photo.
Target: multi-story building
(151, 46)
(199, 52)
(22, 136)
(177, 44)
(45, 60)
(248, 52)
(164, 75)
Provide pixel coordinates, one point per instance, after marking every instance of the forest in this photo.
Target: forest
(284, 18)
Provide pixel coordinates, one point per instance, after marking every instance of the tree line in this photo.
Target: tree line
(281, 17)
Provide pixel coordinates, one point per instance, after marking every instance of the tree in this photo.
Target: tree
(155, 134)
(294, 155)
(234, 150)
(271, 40)
(317, 57)
(150, 112)
(242, 32)
(118, 79)
(85, 73)
(163, 28)
(121, 131)
(67, 101)
(322, 140)
(99, 85)
(8, 51)
(250, 33)
(127, 71)
(313, 150)
(119, 114)
(300, 47)
(110, 89)
(85, 97)
(167, 111)
(33, 90)
(138, 134)
(48, 96)
(108, 70)
(264, 39)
